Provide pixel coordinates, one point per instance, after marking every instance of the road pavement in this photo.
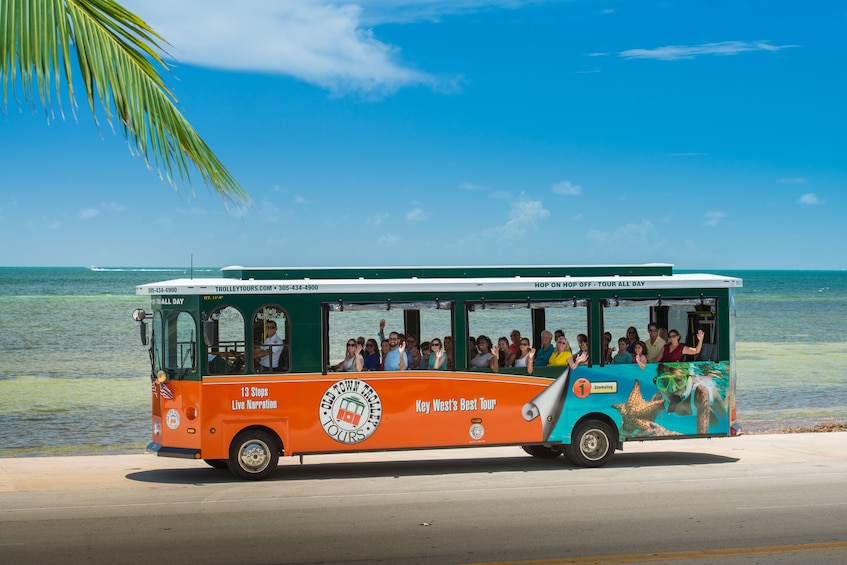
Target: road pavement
(778, 498)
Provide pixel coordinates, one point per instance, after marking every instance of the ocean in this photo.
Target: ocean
(74, 377)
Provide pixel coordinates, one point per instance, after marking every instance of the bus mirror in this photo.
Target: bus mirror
(139, 315)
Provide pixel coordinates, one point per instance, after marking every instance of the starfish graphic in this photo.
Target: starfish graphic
(639, 414)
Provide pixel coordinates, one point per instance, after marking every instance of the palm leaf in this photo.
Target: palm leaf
(116, 54)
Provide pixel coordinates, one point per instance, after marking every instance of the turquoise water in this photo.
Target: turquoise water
(74, 377)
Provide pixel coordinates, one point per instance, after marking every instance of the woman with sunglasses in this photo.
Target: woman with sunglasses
(372, 358)
(352, 359)
(563, 356)
(437, 357)
(674, 350)
(525, 356)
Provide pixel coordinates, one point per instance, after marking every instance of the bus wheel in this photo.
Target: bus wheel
(543, 451)
(592, 444)
(216, 463)
(253, 455)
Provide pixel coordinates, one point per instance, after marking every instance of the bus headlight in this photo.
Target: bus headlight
(162, 377)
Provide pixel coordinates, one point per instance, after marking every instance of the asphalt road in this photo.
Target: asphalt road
(763, 499)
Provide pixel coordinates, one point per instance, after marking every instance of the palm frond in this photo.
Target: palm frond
(117, 55)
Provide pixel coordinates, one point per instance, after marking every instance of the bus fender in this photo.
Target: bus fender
(219, 448)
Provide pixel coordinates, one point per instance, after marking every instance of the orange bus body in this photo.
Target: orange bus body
(409, 410)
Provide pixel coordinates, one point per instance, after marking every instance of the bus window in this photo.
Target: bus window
(425, 320)
(629, 319)
(180, 344)
(158, 346)
(497, 320)
(572, 321)
(224, 332)
(271, 344)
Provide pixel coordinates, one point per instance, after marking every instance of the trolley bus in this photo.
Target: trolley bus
(245, 367)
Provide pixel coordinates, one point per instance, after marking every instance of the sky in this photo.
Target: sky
(707, 134)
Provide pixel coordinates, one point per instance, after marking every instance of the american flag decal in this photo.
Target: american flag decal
(166, 392)
(155, 390)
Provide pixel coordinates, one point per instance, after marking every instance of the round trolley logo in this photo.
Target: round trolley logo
(172, 419)
(350, 411)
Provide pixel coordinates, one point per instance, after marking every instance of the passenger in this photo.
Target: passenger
(663, 333)
(505, 357)
(515, 346)
(413, 354)
(674, 350)
(543, 353)
(269, 352)
(438, 359)
(631, 337)
(372, 360)
(448, 349)
(472, 350)
(609, 351)
(361, 341)
(639, 353)
(426, 351)
(623, 357)
(395, 359)
(582, 340)
(486, 357)
(655, 344)
(563, 356)
(526, 356)
(385, 348)
(561, 333)
(352, 359)
(401, 338)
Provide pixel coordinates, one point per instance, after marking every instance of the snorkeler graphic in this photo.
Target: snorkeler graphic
(693, 388)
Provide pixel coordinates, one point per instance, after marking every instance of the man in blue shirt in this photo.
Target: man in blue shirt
(543, 352)
(395, 359)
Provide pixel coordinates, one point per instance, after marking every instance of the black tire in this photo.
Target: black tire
(592, 444)
(253, 455)
(217, 463)
(543, 451)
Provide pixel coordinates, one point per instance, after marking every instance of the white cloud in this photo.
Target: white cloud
(628, 235)
(567, 188)
(417, 215)
(88, 213)
(472, 186)
(113, 207)
(714, 217)
(678, 52)
(51, 224)
(523, 215)
(387, 240)
(405, 11)
(317, 42)
(792, 180)
(376, 219)
(810, 199)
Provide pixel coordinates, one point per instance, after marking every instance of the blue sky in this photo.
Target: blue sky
(707, 134)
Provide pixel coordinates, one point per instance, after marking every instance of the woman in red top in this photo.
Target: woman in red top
(674, 351)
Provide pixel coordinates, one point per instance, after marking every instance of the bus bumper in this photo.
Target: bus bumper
(179, 452)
